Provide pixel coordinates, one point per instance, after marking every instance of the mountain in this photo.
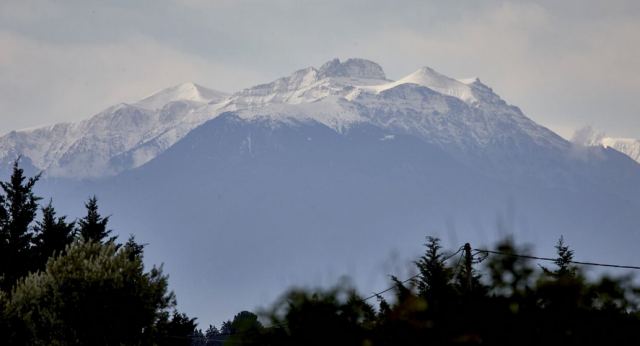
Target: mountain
(331, 171)
(627, 146)
(121, 137)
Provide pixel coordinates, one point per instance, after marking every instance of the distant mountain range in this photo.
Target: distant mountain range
(326, 172)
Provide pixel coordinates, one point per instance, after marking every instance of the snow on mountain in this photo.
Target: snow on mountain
(182, 92)
(431, 79)
(460, 116)
(627, 146)
(440, 109)
(334, 78)
(121, 137)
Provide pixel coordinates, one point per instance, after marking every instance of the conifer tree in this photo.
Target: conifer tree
(52, 234)
(563, 262)
(134, 249)
(93, 227)
(18, 208)
(434, 278)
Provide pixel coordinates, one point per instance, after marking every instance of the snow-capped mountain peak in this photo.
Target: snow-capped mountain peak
(182, 92)
(334, 78)
(456, 115)
(428, 77)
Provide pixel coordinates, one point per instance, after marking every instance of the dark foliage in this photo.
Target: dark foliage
(53, 235)
(507, 301)
(93, 227)
(18, 208)
(59, 289)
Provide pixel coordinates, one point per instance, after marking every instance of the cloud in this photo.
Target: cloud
(63, 82)
(587, 136)
(565, 63)
(561, 68)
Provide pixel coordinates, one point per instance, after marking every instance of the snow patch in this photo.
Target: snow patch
(182, 92)
(431, 79)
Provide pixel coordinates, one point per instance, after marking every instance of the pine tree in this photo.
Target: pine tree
(563, 262)
(18, 208)
(93, 227)
(434, 279)
(52, 234)
(134, 249)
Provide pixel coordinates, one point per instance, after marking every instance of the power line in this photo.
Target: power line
(555, 259)
(409, 279)
(477, 251)
(284, 324)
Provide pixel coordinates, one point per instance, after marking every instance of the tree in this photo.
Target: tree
(434, 278)
(93, 227)
(52, 235)
(18, 208)
(510, 275)
(93, 295)
(213, 336)
(563, 261)
(134, 249)
(333, 317)
(180, 330)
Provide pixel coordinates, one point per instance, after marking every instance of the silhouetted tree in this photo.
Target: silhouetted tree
(226, 328)
(198, 338)
(335, 317)
(434, 278)
(93, 227)
(18, 208)
(133, 249)
(563, 262)
(52, 235)
(180, 330)
(213, 336)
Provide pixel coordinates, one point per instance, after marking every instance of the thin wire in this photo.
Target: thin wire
(458, 265)
(409, 279)
(554, 260)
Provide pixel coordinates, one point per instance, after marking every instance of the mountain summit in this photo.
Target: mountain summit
(354, 68)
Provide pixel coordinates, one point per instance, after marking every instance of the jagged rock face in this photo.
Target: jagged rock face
(354, 68)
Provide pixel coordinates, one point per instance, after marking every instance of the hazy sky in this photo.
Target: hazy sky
(565, 63)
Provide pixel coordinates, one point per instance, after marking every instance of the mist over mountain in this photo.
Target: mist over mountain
(329, 171)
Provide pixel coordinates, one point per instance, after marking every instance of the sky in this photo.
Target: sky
(566, 64)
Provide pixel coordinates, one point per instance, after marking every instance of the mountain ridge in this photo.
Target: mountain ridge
(460, 117)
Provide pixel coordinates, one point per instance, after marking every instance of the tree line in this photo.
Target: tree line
(470, 299)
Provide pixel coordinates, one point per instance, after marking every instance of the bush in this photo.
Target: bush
(96, 294)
